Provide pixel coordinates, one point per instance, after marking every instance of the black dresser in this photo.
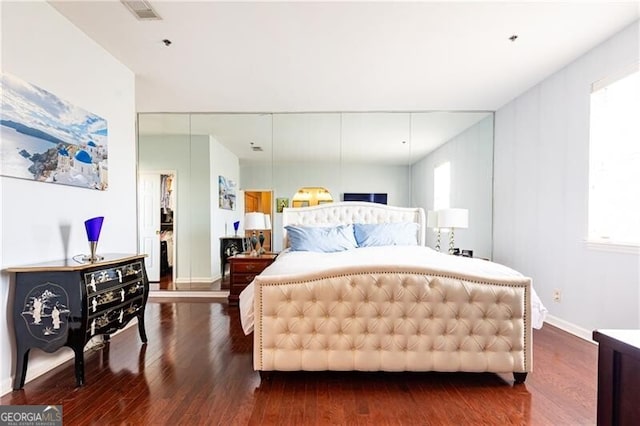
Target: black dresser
(66, 303)
(230, 246)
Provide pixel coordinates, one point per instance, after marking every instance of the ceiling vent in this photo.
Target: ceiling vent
(142, 10)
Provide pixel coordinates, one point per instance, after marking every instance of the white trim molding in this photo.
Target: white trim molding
(178, 294)
(612, 247)
(570, 328)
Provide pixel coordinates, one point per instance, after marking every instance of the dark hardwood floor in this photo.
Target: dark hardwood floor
(197, 369)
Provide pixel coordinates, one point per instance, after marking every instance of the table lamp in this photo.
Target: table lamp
(452, 219)
(432, 222)
(93, 227)
(266, 226)
(254, 221)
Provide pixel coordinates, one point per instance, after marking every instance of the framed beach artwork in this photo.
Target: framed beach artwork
(48, 139)
(226, 193)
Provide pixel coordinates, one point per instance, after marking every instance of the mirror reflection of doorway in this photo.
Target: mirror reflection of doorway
(157, 219)
(261, 202)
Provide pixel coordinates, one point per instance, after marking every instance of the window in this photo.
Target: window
(614, 160)
(441, 186)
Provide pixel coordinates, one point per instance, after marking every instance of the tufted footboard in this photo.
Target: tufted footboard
(404, 319)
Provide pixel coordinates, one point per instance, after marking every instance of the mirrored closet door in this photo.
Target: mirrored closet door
(204, 164)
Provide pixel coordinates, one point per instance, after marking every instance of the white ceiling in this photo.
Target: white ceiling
(339, 56)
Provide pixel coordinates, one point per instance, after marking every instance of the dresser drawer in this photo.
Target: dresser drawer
(242, 278)
(110, 320)
(104, 300)
(112, 278)
(248, 267)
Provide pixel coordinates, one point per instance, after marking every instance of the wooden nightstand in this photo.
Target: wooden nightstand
(244, 269)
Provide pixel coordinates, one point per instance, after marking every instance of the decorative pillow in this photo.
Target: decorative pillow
(386, 234)
(321, 239)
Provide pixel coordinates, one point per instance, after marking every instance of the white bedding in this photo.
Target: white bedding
(296, 262)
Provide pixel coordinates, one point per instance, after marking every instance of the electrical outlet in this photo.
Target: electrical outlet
(557, 296)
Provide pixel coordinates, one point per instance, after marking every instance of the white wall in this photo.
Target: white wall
(65, 62)
(199, 212)
(337, 179)
(395, 181)
(471, 157)
(541, 190)
(223, 163)
(189, 157)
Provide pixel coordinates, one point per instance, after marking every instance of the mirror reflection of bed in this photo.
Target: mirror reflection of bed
(357, 152)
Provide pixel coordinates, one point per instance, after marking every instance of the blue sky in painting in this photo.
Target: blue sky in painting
(34, 107)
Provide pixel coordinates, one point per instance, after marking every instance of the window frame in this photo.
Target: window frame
(592, 241)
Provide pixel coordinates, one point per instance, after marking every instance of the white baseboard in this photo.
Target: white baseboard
(196, 280)
(35, 370)
(571, 328)
(177, 294)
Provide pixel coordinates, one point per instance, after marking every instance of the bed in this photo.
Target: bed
(387, 304)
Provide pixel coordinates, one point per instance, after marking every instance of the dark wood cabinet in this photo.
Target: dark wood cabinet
(66, 303)
(618, 376)
(230, 246)
(244, 269)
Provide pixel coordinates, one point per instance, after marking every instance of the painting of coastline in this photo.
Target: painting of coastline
(226, 193)
(47, 139)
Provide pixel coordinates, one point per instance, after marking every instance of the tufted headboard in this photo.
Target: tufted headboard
(348, 212)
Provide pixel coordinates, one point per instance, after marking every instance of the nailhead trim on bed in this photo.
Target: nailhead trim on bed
(474, 290)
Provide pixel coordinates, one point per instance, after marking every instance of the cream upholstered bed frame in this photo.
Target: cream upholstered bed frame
(392, 318)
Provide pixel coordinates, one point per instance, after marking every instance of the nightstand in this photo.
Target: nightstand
(244, 269)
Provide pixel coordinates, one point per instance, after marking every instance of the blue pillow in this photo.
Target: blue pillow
(321, 239)
(386, 234)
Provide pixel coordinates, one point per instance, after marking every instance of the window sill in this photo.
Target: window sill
(613, 247)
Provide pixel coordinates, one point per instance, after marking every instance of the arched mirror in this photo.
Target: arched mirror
(311, 196)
